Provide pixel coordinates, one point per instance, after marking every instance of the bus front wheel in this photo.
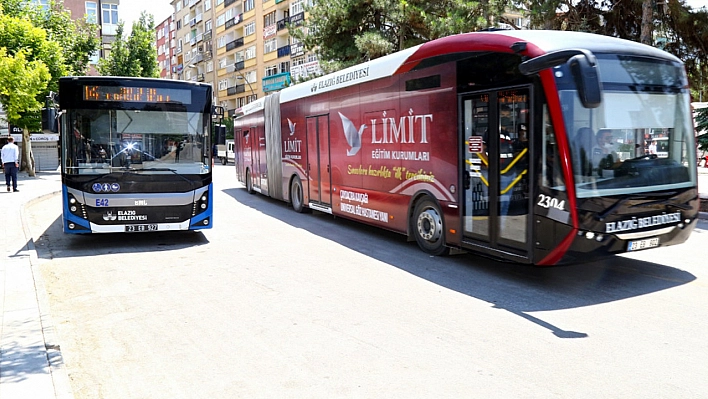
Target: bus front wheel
(297, 197)
(427, 226)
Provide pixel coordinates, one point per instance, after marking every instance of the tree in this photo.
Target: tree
(30, 62)
(45, 41)
(77, 38)
(346, 32)
(135, 56)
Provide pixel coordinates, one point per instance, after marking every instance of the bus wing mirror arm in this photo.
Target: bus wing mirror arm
(583, 66)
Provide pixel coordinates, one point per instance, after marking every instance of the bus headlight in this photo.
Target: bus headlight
(76, 207)
(201, 204)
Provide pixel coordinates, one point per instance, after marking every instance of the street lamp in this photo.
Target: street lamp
(241, 77)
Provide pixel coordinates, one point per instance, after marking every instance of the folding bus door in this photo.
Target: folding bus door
(495, 139)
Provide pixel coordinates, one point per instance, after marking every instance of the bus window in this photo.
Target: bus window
(551, 175)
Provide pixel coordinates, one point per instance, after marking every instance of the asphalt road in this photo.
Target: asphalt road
(275, 304)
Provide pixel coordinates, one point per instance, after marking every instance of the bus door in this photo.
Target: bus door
(495, 136)
(238, 153)
(318, 160)
(258, 157)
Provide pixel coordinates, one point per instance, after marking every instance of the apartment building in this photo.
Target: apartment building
(104, 13)
(165, 34)
(242, 47)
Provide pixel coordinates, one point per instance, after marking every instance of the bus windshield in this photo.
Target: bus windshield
(100, 141)
(641, 136)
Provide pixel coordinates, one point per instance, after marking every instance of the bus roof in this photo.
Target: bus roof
(538, 42)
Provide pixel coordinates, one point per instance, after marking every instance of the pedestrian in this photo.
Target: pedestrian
(10, 155)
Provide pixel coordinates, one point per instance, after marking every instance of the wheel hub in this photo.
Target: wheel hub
(429, 225)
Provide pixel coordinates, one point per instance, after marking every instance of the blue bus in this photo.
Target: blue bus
(135, 154)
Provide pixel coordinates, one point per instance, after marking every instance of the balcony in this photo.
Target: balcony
(235, 89)
(283, 51)
(228, 2)
(297, 49)
(207, 35)
(276, 82)
(200, 77)
(233, 21)
(297, 19)
(283, 23)
(234, 44)
(239, 65)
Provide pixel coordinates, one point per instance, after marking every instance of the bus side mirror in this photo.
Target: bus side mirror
(583, 67)
(587, 80)
(49, 120)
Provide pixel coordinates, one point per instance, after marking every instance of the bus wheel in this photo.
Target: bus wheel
(428, 227)
(249, 182)
(297, 197)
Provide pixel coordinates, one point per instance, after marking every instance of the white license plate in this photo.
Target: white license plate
(133, 228)
(643, 244)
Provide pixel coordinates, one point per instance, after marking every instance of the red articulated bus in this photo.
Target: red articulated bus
(527, 146)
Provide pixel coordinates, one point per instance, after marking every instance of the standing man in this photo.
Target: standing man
(10, 155)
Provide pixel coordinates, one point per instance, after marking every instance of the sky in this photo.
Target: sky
(129, 11)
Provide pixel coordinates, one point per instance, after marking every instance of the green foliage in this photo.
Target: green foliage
(21, 81)
(20, 39)
(346, 32)
(135, 56)
(77, 38)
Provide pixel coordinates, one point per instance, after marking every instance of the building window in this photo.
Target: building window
(271, 70)
(178, 6)
(221, 42)
(110, 13)
(284, 67)
(251, 76)
(207, 26)
(222, 63)
(269, 19)
(270, 45)
(250, 53)
(218, 2)
(220, 20)
(249, 29)
(207, 5)
(210, 66)
(296, 7)
(248, 5)
(223, 84)
(91, 12)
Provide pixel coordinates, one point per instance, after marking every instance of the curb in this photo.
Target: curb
(60, 376)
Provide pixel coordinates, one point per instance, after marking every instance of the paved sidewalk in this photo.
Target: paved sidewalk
(30, 359)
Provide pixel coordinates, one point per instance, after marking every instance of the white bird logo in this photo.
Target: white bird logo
(352, 135)
(292, 126)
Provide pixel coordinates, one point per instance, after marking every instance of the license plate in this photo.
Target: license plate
(643, 244)
(134, 228)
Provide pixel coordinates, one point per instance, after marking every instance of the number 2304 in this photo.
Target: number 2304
(546, 201)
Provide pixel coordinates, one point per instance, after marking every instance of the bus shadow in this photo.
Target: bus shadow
(518, 289)
(52, 243)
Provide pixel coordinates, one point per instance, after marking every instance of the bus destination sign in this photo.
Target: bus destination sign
(136, 94)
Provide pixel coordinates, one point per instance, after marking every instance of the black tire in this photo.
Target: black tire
(224, 161)
(428, 228)
(249, 182)
(297, 195)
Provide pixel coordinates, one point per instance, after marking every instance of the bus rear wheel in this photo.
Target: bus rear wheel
(297, 197)
(427, 226)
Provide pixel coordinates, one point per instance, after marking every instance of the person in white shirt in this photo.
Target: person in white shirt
(10, 155)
